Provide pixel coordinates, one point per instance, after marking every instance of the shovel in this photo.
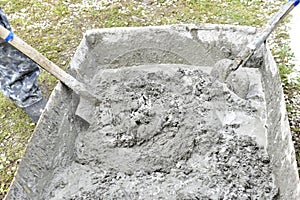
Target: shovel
(224, 67)
(78, 87)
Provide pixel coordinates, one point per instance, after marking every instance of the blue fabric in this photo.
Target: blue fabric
(9, 37)
(18, 73)
(4, 21)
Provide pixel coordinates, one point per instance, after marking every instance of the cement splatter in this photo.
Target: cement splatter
(162, 135)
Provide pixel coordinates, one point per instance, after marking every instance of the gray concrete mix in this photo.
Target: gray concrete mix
(165, 129)
(165, 132)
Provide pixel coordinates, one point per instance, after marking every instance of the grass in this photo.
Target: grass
(15, 130)
(55, 29)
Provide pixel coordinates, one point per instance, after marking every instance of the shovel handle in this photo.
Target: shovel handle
(272, 24)
(264, 33)
(78, 87)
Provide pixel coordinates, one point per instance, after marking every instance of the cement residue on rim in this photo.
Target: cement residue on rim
(162, 134)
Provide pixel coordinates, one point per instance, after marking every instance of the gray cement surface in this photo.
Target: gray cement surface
(160, 133)
(165, 129)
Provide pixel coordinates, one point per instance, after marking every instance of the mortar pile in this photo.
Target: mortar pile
(163, 134)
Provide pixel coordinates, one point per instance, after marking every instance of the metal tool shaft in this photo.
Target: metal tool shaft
(263, 34)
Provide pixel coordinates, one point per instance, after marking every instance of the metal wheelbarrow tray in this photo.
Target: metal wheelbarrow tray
(239, 146)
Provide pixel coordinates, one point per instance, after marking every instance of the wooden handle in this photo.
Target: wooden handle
(78, 87)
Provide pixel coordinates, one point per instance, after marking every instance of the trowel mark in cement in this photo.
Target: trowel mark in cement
(161, 135)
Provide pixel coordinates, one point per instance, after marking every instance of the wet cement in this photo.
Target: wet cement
(172, 133)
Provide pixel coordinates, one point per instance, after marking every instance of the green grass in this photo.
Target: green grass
(15, 130)
(55, 29)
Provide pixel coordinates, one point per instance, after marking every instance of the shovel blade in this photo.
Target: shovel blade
(85, 110)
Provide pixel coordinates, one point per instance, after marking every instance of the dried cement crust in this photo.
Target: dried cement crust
(162, 135)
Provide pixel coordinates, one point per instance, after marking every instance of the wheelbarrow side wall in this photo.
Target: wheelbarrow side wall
(52, 146)
(280, 146)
